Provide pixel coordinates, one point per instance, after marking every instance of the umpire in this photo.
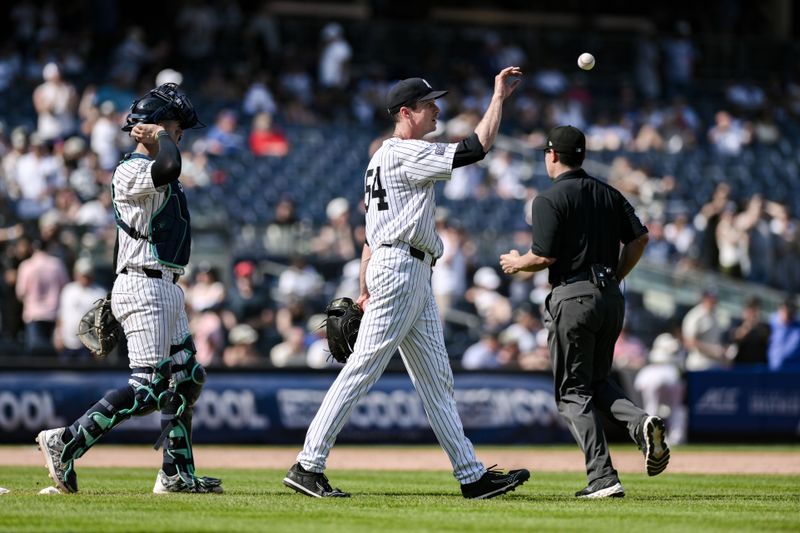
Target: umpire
(578, 226)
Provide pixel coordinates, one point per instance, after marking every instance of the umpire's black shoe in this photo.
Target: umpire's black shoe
(313, 484)
(608, 487)
(654, 445)
(494, 483)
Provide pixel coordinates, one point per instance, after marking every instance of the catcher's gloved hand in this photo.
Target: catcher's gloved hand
(99, 330)
(341, 325)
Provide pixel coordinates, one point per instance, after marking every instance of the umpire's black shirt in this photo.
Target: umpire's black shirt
(579, 221)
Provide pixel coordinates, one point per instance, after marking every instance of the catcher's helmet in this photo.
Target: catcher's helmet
(164, 102)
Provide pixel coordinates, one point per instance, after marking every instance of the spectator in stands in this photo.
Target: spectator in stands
(97, 214)
(222, 138)
(286, 234)
(484, 354)
(706, 222)
(242, 350)
(335, 240)
(334, 71)
(662, 388)
(729, 136)
(493, 308)
(11, 308)
(679, 59)
(76, 298)
(8, 172)
(784, 339)
(198, 23)
(258, 98)
(291, 352)
(449, 278)
(750, 338)
(681, 234)
(730, 243)
(37, 177)
(248, 300)
(207, 291)
(56, 103)
(703, 331)
(318, 354)
(208, 333)
(525, 328)
(265, 139)
(105, 138)
(659, 250)
(39, 283)
(301, 281)
(759, 253)
(195, 171)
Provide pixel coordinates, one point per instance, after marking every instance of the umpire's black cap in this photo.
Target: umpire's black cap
(565, 140)
(409, 92)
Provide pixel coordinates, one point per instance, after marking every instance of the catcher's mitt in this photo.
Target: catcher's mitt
(99, 330)
(341, 325)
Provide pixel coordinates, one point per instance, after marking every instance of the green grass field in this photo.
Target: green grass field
(115, 499)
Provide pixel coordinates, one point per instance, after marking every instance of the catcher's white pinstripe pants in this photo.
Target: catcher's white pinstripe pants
(402, 314)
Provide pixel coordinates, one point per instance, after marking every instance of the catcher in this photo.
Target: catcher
(154, 244)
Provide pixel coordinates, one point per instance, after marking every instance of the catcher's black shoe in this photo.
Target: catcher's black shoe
(608, 487)
(654, 445)
(313, 484)
(494, 483)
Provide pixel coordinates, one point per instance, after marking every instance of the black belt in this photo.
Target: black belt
(415, 253)
(150, 273)
(580, 276)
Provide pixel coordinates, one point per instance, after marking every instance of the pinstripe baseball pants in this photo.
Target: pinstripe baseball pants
(402, 314)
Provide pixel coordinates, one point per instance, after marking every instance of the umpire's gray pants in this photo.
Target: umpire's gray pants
(583, 324)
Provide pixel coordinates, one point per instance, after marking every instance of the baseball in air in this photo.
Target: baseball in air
(586, 61)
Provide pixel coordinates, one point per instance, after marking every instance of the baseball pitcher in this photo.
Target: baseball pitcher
(395, 281)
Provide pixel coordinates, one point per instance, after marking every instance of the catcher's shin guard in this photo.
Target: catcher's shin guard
(139, 397)
(188, 377)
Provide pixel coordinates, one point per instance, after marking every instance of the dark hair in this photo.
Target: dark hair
(571, 160)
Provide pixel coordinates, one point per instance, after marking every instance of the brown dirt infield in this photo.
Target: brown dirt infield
(749, 461)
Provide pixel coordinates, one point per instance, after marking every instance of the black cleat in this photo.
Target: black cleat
(609, 487)
(494, 483)
(654, 446)
(313, 484)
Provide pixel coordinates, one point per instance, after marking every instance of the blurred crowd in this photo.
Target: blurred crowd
(253, 80)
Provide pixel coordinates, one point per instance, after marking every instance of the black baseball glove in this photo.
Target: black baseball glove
(341, 325)
(99, 330)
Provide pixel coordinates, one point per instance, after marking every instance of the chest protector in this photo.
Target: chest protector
(169, 231)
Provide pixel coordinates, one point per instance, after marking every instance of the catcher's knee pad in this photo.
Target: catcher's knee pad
(188, 376)
(115, 407)
(150, 386)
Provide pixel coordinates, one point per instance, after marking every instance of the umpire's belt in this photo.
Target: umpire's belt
(413, 252)
(580, 276)
(152, 273)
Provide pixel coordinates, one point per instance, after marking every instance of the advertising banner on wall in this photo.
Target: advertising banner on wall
(277, 408)
(752, 403)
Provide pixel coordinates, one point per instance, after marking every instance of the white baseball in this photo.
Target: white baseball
(50, 490)
(586, 61)
(4, 490)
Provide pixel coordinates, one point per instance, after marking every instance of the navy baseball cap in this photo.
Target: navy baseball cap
(408, 92)
(565, 140)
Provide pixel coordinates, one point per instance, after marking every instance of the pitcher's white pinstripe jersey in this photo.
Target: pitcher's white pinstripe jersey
(399, 193)
(136, 200)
